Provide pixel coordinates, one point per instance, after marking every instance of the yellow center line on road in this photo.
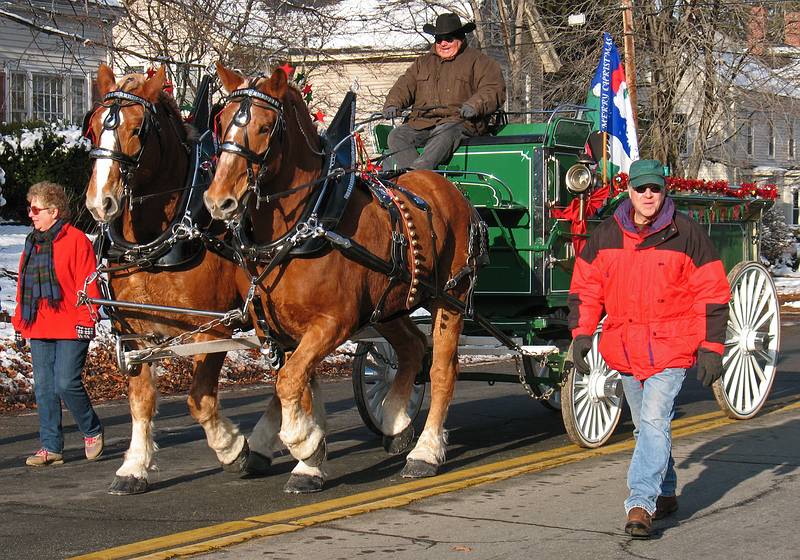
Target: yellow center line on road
(223, 535)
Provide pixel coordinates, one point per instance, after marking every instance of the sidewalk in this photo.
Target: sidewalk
(738, 490)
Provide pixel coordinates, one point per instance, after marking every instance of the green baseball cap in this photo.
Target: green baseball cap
(646, 172)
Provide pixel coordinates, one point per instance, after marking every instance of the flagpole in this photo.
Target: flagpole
(605, 158)
(630, 57)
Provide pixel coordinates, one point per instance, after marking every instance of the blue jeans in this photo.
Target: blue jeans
(652, 470)
(57, 366)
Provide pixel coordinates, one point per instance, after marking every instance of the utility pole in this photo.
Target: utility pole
(630, 57)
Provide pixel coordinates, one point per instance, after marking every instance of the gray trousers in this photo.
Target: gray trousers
(440, 142)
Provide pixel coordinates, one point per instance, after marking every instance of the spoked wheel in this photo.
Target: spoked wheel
(751, 344)
(374, 369)
(591, 405)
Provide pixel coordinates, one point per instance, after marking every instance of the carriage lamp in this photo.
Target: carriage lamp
(579, 178)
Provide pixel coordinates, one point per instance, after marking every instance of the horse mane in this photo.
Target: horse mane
(295, 96)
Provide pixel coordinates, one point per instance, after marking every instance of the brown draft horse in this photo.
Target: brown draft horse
(315, 304)
(142, 145)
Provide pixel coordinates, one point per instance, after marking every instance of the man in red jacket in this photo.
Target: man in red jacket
(657, 276)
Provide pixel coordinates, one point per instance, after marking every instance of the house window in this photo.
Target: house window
(749, 137)
(770, 140)
(48, 97)
(78, 99)
(791, 144)
(796, 207)
(17, 110)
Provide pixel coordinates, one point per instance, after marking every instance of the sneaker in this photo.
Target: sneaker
(93, 445)
(639, 523)
(665, 506)
(43, 458)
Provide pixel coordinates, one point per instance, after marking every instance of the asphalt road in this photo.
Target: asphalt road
(65, 511)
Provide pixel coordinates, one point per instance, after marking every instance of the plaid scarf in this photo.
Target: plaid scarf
(38, 274)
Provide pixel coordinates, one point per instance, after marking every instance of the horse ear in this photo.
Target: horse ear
(152, 86)
(278, 83)
(105, 79)
(230, 80)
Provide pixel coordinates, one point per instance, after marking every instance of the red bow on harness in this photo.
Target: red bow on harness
(573, 213)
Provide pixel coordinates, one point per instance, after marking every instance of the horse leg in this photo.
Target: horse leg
(223, 436)
(263, 441)
(309, 476)
(409, 343)
(131, 477)
(430, 451)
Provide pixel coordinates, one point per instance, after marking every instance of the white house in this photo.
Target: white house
(49, 52)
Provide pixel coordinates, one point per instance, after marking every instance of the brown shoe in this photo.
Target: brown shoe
(93, 445)
(43, 458)
(665, 506)
(639, 523)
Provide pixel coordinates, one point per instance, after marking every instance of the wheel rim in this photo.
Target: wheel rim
(597, 397)
(752, 341)
(380, 370)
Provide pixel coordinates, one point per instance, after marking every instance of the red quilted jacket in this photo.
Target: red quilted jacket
(664, 292)
(74, 260)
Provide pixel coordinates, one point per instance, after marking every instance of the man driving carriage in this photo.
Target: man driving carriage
(453, 89)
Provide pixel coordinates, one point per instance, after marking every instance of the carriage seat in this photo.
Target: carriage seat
(332, 197)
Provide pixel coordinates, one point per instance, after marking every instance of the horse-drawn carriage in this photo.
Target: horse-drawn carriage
(313, 247)
(530, 184)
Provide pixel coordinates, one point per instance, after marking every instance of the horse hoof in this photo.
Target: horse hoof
(395, 445)
(128, 486)
(256, 464)
(319, 455)
(303, 484)
(418, 469)
(238, 465)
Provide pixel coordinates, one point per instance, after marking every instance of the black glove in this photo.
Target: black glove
(19, 341)
(84, 333)
(580, 347)
(468, 112)
(391, 113)
(709, 366)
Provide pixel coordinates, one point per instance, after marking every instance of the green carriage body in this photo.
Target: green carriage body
(515, 178)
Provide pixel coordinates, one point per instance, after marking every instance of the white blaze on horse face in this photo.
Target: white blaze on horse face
(102, 167)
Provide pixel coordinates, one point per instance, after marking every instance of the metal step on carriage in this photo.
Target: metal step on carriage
(518, 178)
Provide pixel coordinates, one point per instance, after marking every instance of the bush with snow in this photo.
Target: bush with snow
(777, 240)
(33, 152)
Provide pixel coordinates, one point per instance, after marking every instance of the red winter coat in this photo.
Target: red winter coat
(664, 292)
(74, 260)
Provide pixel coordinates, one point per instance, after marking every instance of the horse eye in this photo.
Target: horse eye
(136, 131)
(265, 128)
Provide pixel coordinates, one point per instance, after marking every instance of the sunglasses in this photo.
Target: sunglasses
(35, 210)
(655, 189)
(445, 38)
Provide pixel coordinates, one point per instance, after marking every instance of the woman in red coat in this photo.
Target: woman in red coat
(54, 266)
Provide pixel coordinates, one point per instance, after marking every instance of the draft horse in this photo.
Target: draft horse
(138, 187)
(268, 176)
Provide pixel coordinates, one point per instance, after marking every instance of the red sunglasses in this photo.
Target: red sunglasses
(35, 210)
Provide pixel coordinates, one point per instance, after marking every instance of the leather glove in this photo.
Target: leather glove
(19, 342)
(468, 112)
(580, 348)
(391, 113)
(709, 366)
(84, 333)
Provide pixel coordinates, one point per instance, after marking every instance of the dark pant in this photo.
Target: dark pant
(439, 142)
(57, 366)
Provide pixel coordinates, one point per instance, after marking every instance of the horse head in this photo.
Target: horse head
(120, 129)
(250, 126)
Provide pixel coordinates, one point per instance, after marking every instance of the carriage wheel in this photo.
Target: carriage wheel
(751, 343)
(591, 404)
(374, 368)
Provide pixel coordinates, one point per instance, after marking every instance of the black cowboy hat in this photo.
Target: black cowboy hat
(448, 24)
